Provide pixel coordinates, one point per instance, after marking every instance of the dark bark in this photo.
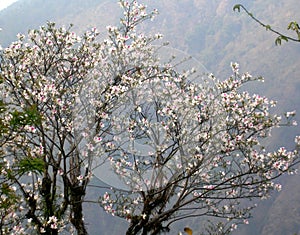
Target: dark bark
(153, 204)
(77, 195)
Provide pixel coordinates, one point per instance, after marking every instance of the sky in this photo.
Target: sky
(6, 3)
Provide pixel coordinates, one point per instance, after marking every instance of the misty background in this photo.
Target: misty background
(215, 35)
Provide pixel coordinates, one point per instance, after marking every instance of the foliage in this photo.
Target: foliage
(29, 116)
(182, 149)
(35, 165)
(294, 26)
(9, 200)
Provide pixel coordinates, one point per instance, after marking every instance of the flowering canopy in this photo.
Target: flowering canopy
(182, 149)
(187, 150)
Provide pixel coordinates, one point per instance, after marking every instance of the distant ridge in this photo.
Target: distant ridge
(212, 33)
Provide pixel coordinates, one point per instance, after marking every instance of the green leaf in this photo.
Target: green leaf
(30, 164)
(278, 41)
(5, 189)
(10, 194)
(293, 26)
(237, 7)
(30, 116)
(284, 38)
(268, 27)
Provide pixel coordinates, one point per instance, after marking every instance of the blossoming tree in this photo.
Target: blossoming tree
(193, 150)
(73, 83)
(182, 149)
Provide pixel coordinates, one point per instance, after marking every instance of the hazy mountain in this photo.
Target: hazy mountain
(215, 35)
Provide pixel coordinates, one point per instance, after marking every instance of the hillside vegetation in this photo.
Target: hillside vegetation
(211, 32)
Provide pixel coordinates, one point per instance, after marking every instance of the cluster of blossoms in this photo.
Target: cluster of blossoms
(182, 142)
(68, 86)
(107, 203)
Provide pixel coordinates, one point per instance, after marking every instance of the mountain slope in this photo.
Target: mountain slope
(215, 35)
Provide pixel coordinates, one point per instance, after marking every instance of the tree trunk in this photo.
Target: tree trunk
(77, 194)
